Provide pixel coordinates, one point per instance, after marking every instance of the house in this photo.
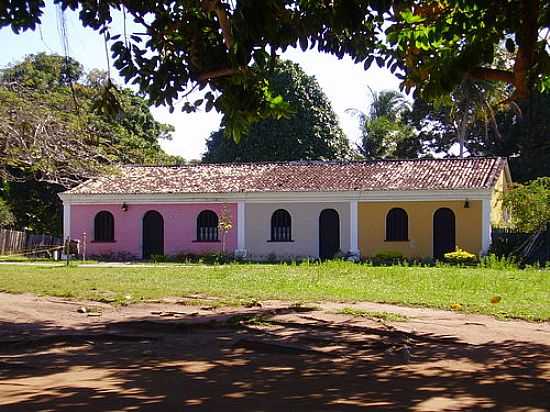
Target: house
(421, 208)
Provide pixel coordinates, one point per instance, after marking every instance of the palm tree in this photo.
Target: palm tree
(386, 103)
(381, 127)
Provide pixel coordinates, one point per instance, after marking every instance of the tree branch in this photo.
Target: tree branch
(214, 74)
(487, 73)
(526, 38)
(215, 6)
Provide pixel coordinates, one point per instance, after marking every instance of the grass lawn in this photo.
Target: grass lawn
(523, 293)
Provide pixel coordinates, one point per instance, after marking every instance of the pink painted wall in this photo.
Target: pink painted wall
(180, 228)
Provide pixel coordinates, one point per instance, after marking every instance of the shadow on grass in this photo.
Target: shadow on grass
(225, 365)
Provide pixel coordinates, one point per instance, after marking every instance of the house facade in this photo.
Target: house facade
(420, 208)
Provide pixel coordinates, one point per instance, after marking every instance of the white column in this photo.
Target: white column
(485, 225)
(353, 231)
(241, 230)
(66, 220)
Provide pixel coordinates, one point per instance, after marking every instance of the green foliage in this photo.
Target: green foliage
(54, 134)
(523, 138)
(35, 205)
(44, 72)
(384, 135)
(387, 257)
(529, 205)
(389, 254)
(309, 132)
(230, 46)
(6, 216)
(460, 257)
(521, 135)
(159, 258)
(385, 139)
(493, 261)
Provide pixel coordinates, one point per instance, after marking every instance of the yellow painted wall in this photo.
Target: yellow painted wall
(372, 227)
(497, 211)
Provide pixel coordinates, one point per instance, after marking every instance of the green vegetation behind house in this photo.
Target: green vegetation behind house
(523, 294)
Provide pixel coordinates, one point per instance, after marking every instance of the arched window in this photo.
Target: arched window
(104, 227)
(281, 226)
(207, 226)
(397, 225)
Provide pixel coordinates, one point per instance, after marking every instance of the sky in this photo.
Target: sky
(345, 83)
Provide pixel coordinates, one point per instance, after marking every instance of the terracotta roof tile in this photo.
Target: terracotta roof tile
(418, 174)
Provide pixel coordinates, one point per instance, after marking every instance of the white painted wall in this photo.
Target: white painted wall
(305, 229)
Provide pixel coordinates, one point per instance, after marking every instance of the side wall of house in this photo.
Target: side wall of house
(372, 227)
(180, 223)
(498, 217)
(305, 229)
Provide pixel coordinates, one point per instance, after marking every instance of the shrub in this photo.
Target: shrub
(460, 257)
(113, 257)
(386, 258)
(389, 255)
(216, 258)
(495, 262)
(159, 258)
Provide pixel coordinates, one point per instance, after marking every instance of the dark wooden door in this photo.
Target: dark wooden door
(153, 234)
(444, 232)
(329, 233)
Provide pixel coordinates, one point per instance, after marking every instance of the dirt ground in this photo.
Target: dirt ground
(58, 355)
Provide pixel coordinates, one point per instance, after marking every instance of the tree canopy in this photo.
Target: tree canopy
(51, 125)
(232, 45)
(54, 135)
(384, 134)
(521, 134)
(310, 132)
(529, 205)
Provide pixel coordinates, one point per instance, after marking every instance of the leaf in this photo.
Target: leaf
(510, 45)
(368, 62)
(411, 18)
(496, 299)
(303, 43)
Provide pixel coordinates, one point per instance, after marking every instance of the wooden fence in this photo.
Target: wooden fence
(15, 242)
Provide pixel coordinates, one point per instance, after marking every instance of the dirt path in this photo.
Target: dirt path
(55, 356)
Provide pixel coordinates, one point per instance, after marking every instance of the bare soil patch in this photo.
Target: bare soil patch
(58, 355)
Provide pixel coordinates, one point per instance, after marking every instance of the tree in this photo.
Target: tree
(54, 136)
(310, 132)
(6, 215)
(34, 204)
(383, 133)
(459, 117)
(231, 46)
(529, 205)
(521, 135)
(51, 127)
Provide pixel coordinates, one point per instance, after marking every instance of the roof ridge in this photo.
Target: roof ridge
(314, 162)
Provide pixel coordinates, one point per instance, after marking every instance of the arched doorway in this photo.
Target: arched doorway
(444, 232)
(153, 234)
(329, 233)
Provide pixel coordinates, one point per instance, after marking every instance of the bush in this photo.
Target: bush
(113, 257)
(216, 258)
(495, 262)
(460, 257)
(387, 257)
(159, 258)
